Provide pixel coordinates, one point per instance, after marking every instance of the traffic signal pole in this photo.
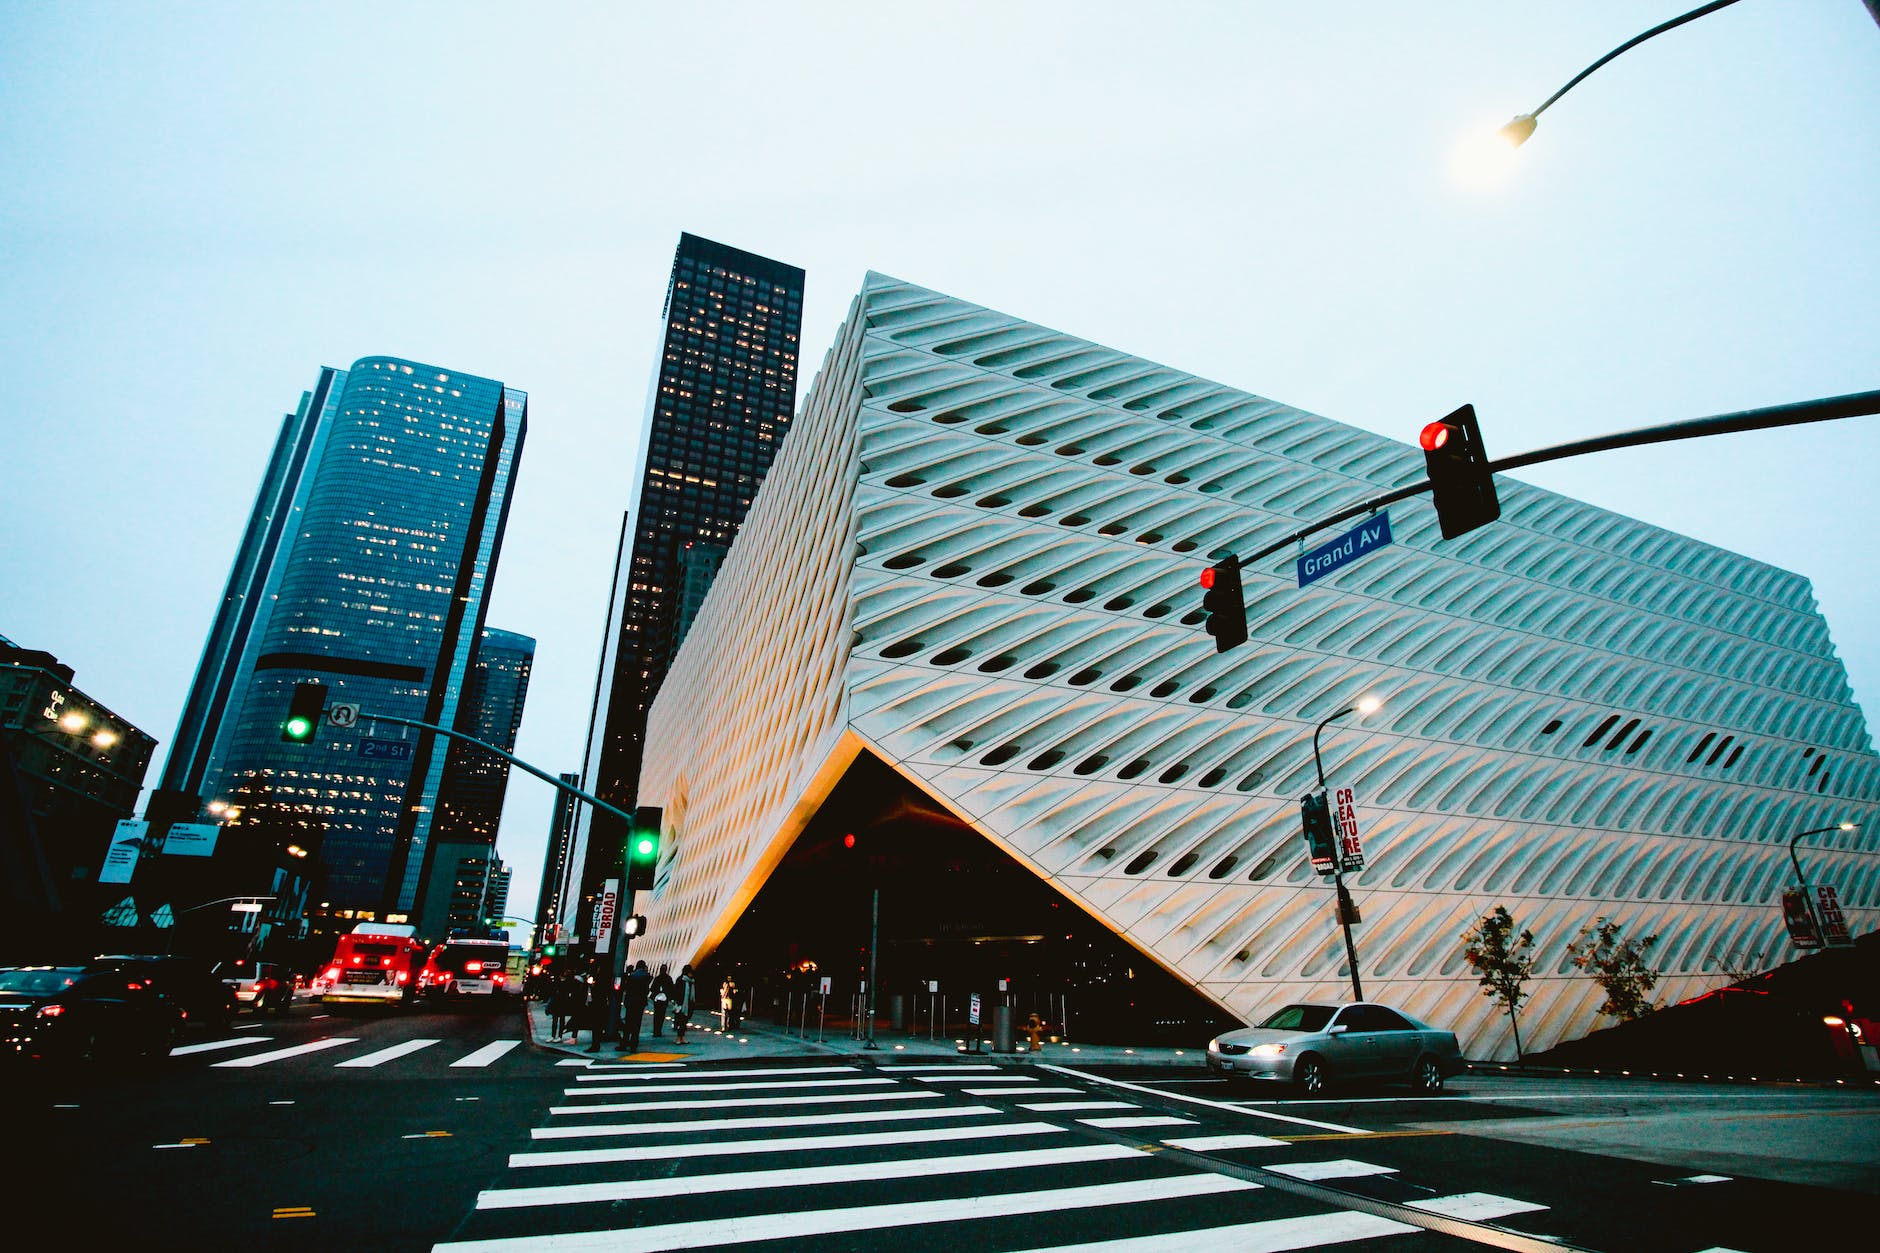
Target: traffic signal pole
(1853, 405)
(1338, 861)
(511, 758)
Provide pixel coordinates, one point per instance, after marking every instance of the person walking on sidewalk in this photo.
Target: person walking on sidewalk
(684, 995)
(564, 1002)
(633, 993)
(662, 994)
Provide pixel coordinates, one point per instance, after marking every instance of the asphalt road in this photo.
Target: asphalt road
(422, 1131)
(319, 1130)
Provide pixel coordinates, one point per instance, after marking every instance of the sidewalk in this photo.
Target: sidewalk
(707, 1042)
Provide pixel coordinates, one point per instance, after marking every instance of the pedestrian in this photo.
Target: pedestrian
(728, 995)
(684, 993)
(662, 993)
(633, 993)
(564, 1002)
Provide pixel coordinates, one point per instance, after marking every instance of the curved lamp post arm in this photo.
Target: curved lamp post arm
(1317, 762)
(1802, 835)
(1522, 126)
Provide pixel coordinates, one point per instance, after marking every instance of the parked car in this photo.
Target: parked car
(200, 997)
(74, 1013)
(1309, 1046)
(261, 986)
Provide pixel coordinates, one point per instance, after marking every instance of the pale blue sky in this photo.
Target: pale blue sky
(202, 204)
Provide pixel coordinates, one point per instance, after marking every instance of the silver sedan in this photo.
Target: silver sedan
(1309, 1045)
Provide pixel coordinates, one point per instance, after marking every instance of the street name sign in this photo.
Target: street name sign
(1334, 554)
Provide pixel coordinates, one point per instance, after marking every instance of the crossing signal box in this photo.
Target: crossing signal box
(1223, 604)
(643, 849)
(636, 925)
(1315, 817)
(304, 712)
(1461, 486)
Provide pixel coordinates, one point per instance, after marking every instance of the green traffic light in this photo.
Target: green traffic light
(645, 847)
(299, 728)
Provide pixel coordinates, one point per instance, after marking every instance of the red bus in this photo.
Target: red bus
(376, 963)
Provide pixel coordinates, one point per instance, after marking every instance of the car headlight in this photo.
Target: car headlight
(1268, 1050)
(1214, 1046)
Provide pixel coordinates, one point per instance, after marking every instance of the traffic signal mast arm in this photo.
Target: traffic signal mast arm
(511, 758)
(1856, 404)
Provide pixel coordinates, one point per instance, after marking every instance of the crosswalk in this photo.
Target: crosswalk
(483, 1056)
(639, 1159)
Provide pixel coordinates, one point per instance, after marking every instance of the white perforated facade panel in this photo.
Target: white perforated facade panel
(977, 555)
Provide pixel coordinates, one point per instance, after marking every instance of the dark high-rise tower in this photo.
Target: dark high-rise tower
(720, 407)
(365, 566)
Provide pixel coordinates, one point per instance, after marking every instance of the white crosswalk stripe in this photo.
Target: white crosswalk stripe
(185, 1050)
(797, 1153)
(298, 1050)
(793, 1144)
(746, 1124)
(1269, 1236)
(487, 1054)
(796, 1177)
(711, 1232)
(382, 1056)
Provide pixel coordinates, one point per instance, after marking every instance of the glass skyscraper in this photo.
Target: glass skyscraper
(365, 566)
(719, 408)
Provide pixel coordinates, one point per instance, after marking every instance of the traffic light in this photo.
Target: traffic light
(643, 849)
(633, 926)
(1461, 485)
(1223, 604)
(551, 950)
(1315, 817)
(304, 712)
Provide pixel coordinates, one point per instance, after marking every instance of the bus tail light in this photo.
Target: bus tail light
(472, 967)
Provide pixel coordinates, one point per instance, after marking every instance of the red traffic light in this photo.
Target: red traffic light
(1207, 578)
(848, 841)
(1435, 435)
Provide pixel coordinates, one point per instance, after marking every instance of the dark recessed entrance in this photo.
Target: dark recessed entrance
(954, 910)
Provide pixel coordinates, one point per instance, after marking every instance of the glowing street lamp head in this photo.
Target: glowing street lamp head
(1516, 131)
(1370, 705)
(73, 722)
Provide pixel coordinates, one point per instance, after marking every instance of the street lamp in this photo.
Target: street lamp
(1368, 705)
(1516, 132)
(1796, 861)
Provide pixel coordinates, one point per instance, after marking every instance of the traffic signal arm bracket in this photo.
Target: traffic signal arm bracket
(1853, 405)
(511, 758)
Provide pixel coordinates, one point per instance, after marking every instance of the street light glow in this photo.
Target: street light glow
(74, 722)
(1483, 159)
(1850, 826)
(1369, 705)
(104, 739)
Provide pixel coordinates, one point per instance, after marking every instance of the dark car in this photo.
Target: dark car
(198, 996)
(75, 1013)
(1311, 1045)
(261, 986)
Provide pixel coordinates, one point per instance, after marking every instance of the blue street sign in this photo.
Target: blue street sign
(385, 750)
(1334, 554)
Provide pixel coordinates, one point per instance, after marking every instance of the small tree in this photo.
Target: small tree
(1618, 966)
(1502, 961)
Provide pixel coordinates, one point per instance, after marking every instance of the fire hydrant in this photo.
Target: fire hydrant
(1034, 1032)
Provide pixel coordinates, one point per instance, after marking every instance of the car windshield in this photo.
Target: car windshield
(37, 982)
(1300, 1018)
